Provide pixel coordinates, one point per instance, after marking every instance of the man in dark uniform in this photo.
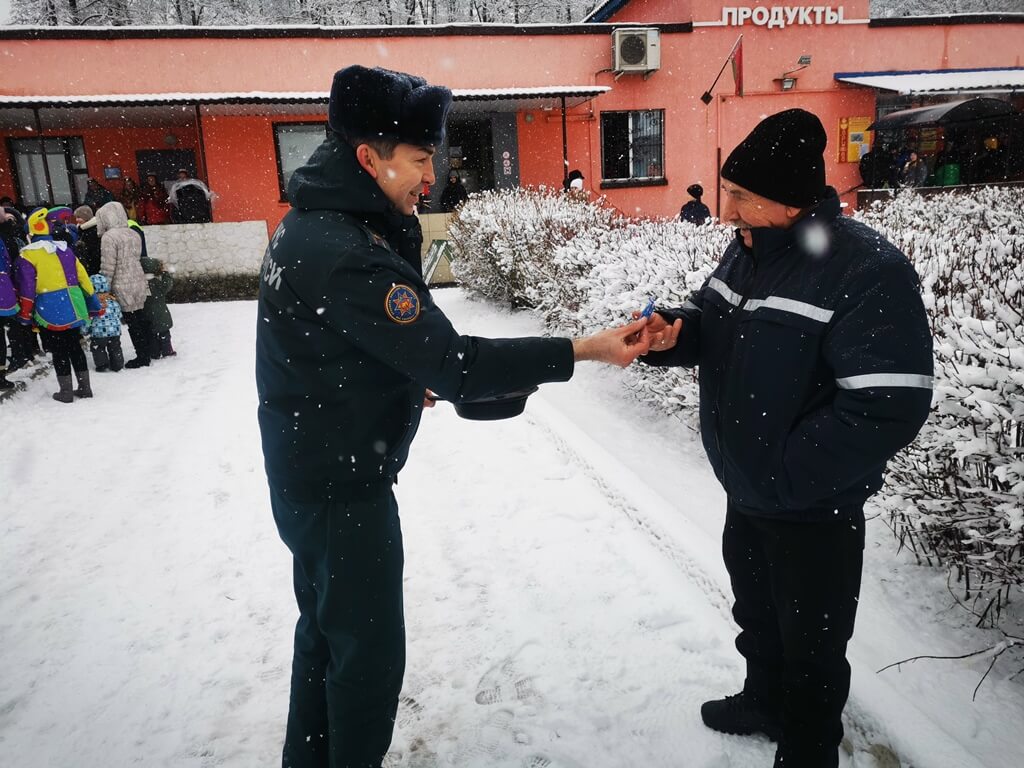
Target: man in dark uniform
(815, 363)
(348, 339)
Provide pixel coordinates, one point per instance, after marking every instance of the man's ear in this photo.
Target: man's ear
(367, 158)
(794, 213)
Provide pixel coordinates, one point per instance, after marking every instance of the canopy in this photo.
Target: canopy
(951, 113)
(939, 81)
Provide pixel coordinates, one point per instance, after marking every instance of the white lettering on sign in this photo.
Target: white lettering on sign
(779, 17)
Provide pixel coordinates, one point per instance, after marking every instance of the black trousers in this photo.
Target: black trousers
(350, 637)
(4, 323)
(160, 344)
(22, 340)
(66, 348)
(139, 332)
(107, 353)
(796, 586)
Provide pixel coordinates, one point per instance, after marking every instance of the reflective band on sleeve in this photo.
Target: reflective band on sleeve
(868, 380)
(690, 305)
(725, 291)
(791, 305)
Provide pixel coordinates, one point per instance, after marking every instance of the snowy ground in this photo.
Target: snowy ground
(566, 601)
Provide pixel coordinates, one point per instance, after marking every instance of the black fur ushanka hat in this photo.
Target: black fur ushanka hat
(378, 103)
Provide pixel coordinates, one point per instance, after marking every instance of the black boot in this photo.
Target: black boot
(741, 714)
(4, 383)
(116, 354)
(67, 393)
(84, 389)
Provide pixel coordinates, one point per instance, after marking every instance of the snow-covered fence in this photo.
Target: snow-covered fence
(957, 494)
(219, 260)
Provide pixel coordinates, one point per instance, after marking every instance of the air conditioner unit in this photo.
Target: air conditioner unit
(636, 50)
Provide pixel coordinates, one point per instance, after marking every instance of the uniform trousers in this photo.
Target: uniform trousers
(796, 586)
(349, 655)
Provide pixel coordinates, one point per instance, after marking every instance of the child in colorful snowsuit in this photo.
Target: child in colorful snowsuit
(160, 320)
(8, 308)
(105, 332)
(56, 294)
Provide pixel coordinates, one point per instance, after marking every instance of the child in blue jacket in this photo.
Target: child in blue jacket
(105, 332)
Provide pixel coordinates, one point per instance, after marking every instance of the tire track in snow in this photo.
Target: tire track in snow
(866, 739)
(612, 478)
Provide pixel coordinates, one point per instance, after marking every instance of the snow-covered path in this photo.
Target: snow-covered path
(565, 598)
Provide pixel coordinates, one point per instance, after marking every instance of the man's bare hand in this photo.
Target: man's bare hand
(616, 346)
(429, 399)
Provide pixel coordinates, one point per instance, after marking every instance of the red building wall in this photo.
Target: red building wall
(240, 151)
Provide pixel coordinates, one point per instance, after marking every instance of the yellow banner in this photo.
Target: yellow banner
(854, 138)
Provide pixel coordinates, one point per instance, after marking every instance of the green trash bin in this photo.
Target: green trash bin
(947, 175)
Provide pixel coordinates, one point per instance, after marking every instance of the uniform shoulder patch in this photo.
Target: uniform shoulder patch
(402, 304)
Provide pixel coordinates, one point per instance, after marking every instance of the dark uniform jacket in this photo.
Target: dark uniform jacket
(815, 360)
(348, 337)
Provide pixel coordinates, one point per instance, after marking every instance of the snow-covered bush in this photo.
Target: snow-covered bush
(583, 269)
(956, 496)
(503, 241)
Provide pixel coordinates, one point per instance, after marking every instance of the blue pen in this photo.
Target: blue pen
(649, 309)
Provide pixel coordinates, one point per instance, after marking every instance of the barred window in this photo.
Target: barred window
(632, 145)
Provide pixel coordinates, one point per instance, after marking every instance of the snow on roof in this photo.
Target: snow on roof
(519, 93)
(147, 99)
(937, 81)
(285, 97)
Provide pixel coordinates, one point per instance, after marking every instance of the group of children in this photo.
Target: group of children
(45, 287)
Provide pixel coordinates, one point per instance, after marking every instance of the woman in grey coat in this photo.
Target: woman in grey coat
(120, 251)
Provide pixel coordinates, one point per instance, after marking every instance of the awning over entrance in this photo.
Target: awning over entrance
(169, 109)
(952, 113)
(509, 99)
(998, 80)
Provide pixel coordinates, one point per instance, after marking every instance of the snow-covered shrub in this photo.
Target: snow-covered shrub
(503, 241)
(956, 496)
(583, 269)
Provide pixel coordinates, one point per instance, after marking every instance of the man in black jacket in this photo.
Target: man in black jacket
(815, 363)
(348, 338)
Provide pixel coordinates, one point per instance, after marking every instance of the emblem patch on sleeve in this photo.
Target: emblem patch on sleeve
(402, 304)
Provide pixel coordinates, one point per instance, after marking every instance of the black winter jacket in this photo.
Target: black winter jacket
(348, 337)
(815, 360)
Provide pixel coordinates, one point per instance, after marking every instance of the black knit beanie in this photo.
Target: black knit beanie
(782, 159)
(378, 103)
